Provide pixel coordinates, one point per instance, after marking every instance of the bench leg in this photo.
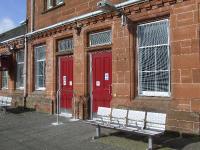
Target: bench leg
(98, 131)
(150, 143)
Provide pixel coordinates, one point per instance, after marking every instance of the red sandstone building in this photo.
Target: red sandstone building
(146, 59)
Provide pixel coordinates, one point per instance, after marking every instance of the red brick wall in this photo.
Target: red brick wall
(70, 9)
(182, 107)
(12, 91)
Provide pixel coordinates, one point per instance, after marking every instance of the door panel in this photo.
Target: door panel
(66, 82)
(102, 79)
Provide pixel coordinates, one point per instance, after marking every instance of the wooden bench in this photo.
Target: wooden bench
(5, 102)
(149, 124)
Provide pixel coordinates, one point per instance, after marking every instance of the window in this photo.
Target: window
(4, 79)
(52, 3)
(153, 59)
(49, 4)
(100, 38)
(65, 44)
(40, 67)
(58, 2)
(20, 70)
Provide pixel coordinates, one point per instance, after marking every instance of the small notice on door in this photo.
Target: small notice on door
(106, 76)
(64, 80)
(97, 83)
(70, 83)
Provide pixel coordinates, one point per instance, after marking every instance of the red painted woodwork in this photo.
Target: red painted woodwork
(102, 79)
(4, 63)
(66, 82)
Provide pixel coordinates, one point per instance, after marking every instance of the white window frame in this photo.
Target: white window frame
(49, 4)
(155, 93)
(59, 2)
(19, 63)
(4, 77)
(44, 71)
(108, 43)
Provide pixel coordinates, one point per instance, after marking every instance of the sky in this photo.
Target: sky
(12, 12)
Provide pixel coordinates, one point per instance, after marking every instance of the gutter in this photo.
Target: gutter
(82, 17)
(17, 37)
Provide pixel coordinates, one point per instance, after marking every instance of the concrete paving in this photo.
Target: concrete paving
(30, 130)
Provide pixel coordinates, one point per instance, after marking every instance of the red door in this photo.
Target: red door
(66, 82)
(102, 79)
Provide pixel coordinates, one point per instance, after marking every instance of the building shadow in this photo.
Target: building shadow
(170, 140)
(18, 110)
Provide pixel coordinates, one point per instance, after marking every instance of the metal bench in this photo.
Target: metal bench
(5, 102)
(138, 122)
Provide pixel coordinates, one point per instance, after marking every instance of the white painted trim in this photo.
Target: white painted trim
(20, 88)
(85, 16)
(153, 22)
(155, 93)
(40, 89)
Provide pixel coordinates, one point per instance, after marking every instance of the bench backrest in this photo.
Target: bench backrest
(155, 121)
(119, 116)
(104, 113)
(1, 98)
(5, 101)
(136, 118)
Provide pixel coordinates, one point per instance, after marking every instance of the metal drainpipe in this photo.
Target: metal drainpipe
(32, 14)
(26, 50)
(25, 70)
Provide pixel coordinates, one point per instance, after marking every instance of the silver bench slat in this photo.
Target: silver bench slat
(118, 117)
(5, 101)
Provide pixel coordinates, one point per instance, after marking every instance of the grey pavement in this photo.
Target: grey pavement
(33, 131)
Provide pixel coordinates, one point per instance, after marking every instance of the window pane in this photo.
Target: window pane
(4, 79)
(147, 59)
(65, 44)
(41, 82)
(148, 81)
(100, 38)
(153, 34)
(40, 68)
(162, 59)
(162, 81)
(59, 2)
(49, 4)
(40, 53)
(20, 56)
(20, 76)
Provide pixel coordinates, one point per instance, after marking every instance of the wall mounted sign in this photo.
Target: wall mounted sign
(106, 76)
(70, 83)
(64, 80)
(98, 83)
